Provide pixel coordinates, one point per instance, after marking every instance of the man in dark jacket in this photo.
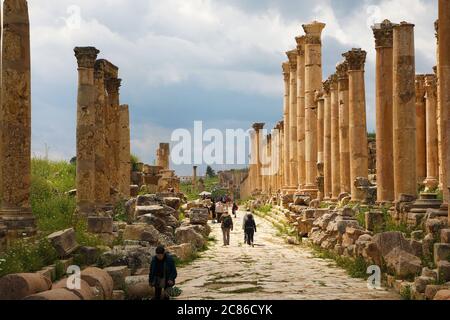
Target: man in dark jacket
(163, 272)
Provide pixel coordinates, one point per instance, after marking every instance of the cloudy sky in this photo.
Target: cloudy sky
(184, 60)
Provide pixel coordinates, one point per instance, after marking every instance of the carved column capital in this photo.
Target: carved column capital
(113, 85)
(333, 80)
(356, 58)
(258, 126)
(384, 34)
(342, 70)
(326, 85)
(86, 56)
(292, 56)
(313, 32)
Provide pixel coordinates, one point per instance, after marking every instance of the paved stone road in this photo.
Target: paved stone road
(271, 270)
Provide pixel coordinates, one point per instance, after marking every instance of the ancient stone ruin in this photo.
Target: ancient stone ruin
(338, 186)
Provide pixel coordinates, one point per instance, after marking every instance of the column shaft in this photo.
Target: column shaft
(287, 121)
(335, 139)
(15, 122)
(301, 110)
(421, 136)
(384, 94)
(85, 177)
(357, 124)
(405, 181)
(327, 141)
(344, 142)
(293, 143)
(313, 82)
(125, 152)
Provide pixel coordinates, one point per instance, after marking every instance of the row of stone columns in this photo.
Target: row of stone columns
(103, 135)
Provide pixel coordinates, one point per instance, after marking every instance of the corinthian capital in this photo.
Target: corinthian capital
(384, 34)
(86, 56)
(292, 56)
(258, 126)
(356, 58)
(113, 85)
(300, 45)
(313, 32)
(342, 70)
(333, 79)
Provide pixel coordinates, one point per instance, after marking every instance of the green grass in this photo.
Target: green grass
(54, 210)
(406, 293)
(356, 268)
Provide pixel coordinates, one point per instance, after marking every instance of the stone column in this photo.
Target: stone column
(421, 137)
(287, 121)
(15, 122)
(327, 140)
(335, 139)
(85, 178)
(258, 127)
(293, 144)
(344, 142)
(112, 86)
(313, 82)
(194, 177)
(404, 111)
(125, 152)
(444, 78)
(431, 182)
(281, 156)
(102, 187)
(163, 154)
(359, 167)
(320, 100)
(252, 170)
(384, 94)
(301, 110)
(269, 159)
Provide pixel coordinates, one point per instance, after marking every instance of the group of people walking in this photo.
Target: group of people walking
(222, 216)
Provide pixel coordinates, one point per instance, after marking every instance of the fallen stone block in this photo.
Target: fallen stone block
(100, 279)
(55, 295)
(442, 295)
(183, 251)
(118, 274)
(445, 236)
(189, 235)
(441, 252)
(403, 263)
(138, 288)
(141, 232)
(199, 216)
(173, 202)
(64, 242)
(21, 285)
(443, 270)
(432, 289)
(84, 293)
(100, 224)
(420, 283)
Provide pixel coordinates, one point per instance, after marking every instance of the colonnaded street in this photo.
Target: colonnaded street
(272, 269)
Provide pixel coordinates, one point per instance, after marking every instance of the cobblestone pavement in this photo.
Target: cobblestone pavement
(271, 270)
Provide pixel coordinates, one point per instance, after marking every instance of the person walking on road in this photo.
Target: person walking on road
(234, 209)
(250, 229)
(227, 227)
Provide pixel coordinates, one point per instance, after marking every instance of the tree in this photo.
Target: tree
(210, 172)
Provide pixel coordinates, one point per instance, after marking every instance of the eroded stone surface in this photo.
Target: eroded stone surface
(270, 270)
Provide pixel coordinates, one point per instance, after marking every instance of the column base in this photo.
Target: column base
(289, 190)
(310, 190)
(19, 223)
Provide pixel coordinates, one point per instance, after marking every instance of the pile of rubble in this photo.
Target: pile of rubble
(121, 271)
